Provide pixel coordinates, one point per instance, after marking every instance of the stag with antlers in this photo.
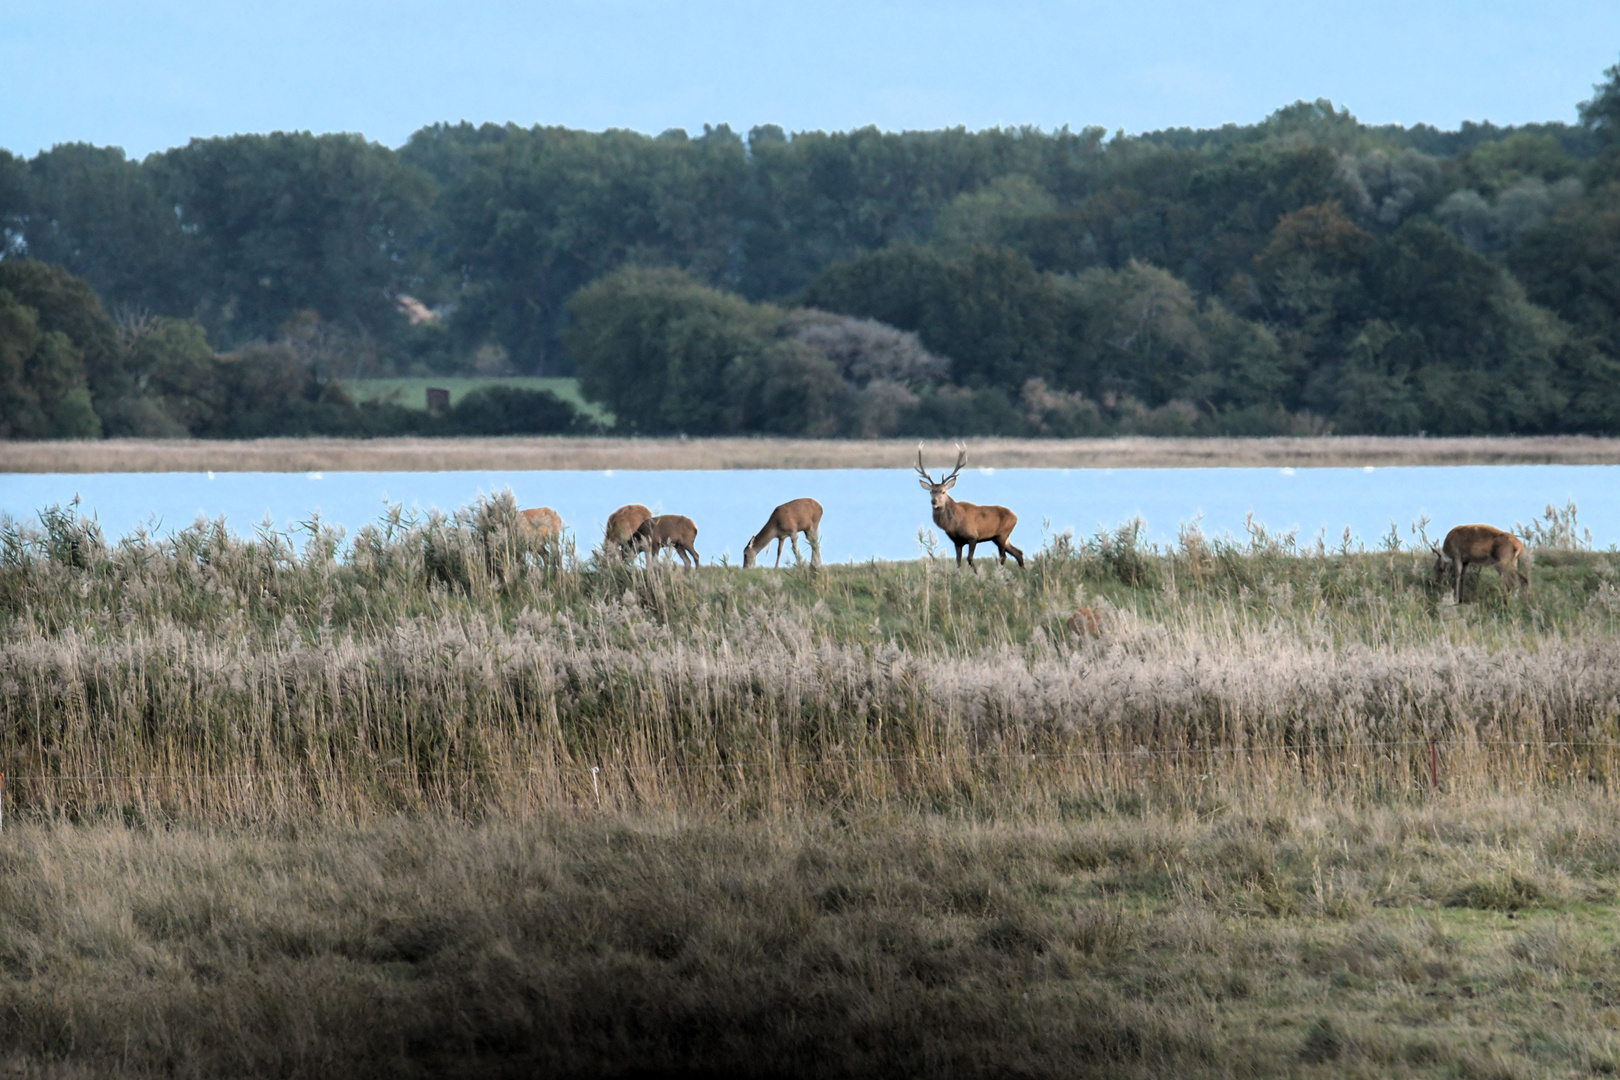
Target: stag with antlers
(968, 525)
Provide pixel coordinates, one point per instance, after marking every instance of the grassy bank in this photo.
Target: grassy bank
(571, 452)
(445, 665)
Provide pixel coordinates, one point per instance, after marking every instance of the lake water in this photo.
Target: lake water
(870, 513)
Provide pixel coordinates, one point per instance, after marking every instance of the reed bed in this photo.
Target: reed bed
(569, 452)
(450, 664)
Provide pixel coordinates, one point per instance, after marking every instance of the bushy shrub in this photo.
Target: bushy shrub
(511, 410)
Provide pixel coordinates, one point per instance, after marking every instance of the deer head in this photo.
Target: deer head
(936, 491)
(1442, 562)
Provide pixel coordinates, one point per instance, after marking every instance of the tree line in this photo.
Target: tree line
(1305, 273)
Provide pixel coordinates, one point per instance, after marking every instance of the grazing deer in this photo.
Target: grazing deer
(668, 530)
(541, 523)
(1086, 622)
(1477, 545)
(968, 525)
(622, 525)
(786, 522)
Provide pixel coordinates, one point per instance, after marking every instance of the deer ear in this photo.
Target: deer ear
(947, 485)
(926, 485)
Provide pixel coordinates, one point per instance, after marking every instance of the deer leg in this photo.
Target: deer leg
(814, 536)
(779, 552)
(959, 546)
(972, 547)
(1019, 555)
(793, 538)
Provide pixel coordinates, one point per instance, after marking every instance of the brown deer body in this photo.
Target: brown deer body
(1479, 545)
(966, 524)
(622, 525)
(542, 522)
(669, 530)
(786, 522)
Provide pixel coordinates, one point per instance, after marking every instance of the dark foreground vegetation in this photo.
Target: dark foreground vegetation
(1303, 274)
(445, 801)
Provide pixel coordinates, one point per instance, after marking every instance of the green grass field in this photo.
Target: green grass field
(412, 392)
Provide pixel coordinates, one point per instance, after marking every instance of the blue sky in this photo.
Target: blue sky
(149, 74)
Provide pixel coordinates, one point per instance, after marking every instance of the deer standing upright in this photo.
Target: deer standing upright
(786, 522)
(1478, 545)
(966, 524)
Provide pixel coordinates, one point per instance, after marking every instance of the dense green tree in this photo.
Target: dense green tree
(107, 220)
(1571, 264)
(1141, 332)
(544, 212)
(1058, 281)
(43, 393)
(997, 319)
(511, 410)
(657, 348)
(295, 222)
(67, 304)
(174, 371)
(787, 388)
(1600, 114)
(16, 202)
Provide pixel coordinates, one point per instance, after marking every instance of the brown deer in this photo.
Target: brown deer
(1477, 545)
(786, 522)
(542, 522)
(1086, 622)
(668, 530)
(622, 525)
(968, 525)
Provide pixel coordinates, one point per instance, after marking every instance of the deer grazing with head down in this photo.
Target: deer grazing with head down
(968, 525)
(786, 522)
(1479, 545)
(668, 530)
(622, 525)
(541, 523)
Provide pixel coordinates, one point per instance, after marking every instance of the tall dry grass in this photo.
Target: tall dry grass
(566, 452)
(1257, 933)
(446, 664)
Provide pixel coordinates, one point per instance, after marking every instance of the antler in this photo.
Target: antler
(920, 468)
(961, 460)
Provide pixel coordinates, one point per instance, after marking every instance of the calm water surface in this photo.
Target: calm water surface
(870, 513)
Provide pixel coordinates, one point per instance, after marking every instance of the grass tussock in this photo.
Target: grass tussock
(560, 452)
